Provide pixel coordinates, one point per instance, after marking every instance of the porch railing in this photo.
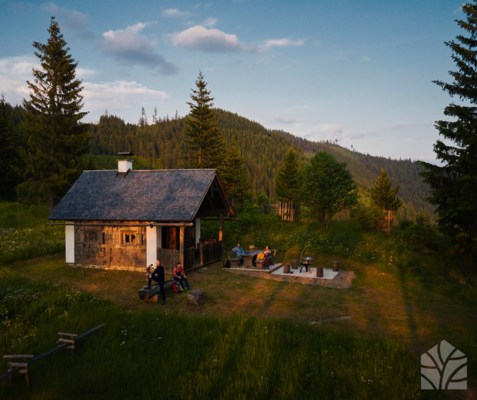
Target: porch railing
(211, 252)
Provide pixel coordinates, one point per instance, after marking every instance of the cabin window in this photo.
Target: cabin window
(130, 238)
(91, 237)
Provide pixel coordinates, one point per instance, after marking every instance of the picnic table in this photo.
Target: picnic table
(248, 259)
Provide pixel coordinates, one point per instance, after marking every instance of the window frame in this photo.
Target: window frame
(87, 236)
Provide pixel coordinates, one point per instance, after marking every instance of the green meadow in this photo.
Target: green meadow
(254, 338)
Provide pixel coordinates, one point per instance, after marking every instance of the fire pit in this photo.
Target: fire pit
(307, 261)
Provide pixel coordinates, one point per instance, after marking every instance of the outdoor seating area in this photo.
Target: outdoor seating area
(252, 259)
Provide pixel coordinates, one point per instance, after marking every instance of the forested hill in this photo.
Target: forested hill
(160, 145)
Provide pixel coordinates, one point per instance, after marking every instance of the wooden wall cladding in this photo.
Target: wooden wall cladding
(106, 247)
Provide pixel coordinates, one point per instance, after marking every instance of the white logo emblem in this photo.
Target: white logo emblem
(444, 367)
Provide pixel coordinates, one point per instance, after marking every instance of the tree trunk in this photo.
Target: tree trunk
(51, 201)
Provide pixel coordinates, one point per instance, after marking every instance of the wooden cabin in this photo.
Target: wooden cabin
(126, 220)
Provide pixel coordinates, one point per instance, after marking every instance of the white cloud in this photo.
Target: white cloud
(199, 38)
(14, 72)
(116, 96)
(70, 19)
(278, 119)
(209, 40)
(174, 12)
(209, 22)
(364, 59)
(282, 43)
(327, 132)
(129, 47)
(83, 72)
(459, 9)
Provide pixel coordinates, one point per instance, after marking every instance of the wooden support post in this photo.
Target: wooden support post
(221, 227)
(201, 254)
(181, 246)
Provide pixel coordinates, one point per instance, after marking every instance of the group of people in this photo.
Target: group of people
(157, 275)
(260, 256)
(239, 251)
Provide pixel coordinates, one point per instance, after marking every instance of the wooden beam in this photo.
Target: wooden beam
(218, 219)
(181, 245)
(221, 227)
(179, 224)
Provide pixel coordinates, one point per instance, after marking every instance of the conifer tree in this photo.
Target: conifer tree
(328, 187)
(383, 197)
(9, 178)
(421, 231)
(204, 143)
(54, 138)
(262, 199)
(288, 181)
(235, 177)
(454, 182)
(90, 163)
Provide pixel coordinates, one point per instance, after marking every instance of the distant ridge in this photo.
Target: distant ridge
(264, 151)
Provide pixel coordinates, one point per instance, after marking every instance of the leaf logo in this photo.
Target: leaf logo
(444, 367)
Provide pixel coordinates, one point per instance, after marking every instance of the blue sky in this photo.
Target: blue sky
(359, 71)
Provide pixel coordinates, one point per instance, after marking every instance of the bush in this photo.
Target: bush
(367, 216)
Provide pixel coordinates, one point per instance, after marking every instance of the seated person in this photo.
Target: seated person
(179, 276)
(238, 250)
(264, 253)
(158, 276)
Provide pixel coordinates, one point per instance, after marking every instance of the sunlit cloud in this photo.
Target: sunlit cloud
(174, 12)
(128, 47)
(199, 38)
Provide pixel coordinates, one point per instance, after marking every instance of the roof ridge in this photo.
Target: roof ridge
(152, 170)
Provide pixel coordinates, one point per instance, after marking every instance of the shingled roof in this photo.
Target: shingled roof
(157, 195)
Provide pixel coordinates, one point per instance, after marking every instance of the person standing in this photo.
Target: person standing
(158, 276)
(180, 278)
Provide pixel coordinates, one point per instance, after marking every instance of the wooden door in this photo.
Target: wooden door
(172, 238)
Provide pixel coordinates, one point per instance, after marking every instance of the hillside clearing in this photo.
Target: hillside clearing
(381, 305)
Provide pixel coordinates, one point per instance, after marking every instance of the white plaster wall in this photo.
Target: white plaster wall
(70, 243)
(124, 165)
(197, 231)
(151, 245)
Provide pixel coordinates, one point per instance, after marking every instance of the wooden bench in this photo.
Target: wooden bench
(22, 365)
(259, 263)
(234, 262)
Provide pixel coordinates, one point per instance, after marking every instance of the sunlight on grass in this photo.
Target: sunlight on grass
(221, 357)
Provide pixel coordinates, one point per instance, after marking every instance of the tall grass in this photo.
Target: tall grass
(157, 355)
(23, 234)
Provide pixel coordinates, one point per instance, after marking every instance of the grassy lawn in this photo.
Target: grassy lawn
(254, 338)
(380, 304)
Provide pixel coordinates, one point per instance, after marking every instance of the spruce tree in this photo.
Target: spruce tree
(383, 197)
(204, 144)
(328, 187)
(288, 181)
(262, 199)
(54, 138)
(235, 176)
(9, 178)
(454, 182)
